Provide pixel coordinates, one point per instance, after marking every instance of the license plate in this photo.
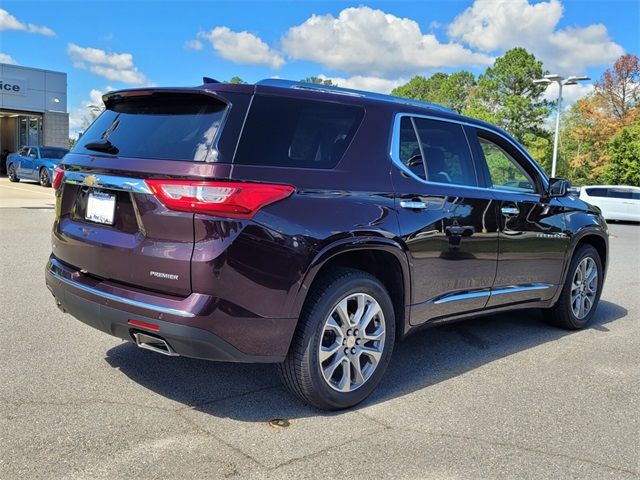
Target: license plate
(101, 207)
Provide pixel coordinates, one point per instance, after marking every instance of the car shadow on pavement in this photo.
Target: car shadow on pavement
(253, 392)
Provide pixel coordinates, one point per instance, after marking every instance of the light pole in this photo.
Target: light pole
(561, 81)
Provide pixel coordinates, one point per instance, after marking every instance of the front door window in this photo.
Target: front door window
(506, 173)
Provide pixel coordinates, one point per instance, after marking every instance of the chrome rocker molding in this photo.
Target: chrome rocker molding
(468, 295)
(56, 273)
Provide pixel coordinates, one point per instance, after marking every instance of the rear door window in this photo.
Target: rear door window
(410, 154)
(447, 158)
(619, 193)
(287, 132)
(159, 126)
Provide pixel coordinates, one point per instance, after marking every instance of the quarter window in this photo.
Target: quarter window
(506, 173)
(287, 132)
(619, 193)
(442, 153)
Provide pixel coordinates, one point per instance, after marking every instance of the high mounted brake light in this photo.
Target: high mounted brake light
(225, 199)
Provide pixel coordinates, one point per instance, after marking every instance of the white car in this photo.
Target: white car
(617, 202)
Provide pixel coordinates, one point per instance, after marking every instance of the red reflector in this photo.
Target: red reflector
(58, 175)
(225, 199)
(148, 326)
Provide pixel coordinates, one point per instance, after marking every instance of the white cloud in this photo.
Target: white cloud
(112, 66)
(366, 41)
(370, 84)
(193, 44)
(128, 76)
(9, 22)
(242, 47)
(570, 93)
(81, 116)
(493, 25)
(95, 97)
(6, 58)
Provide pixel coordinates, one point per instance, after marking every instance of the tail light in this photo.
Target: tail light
(58, 174)
(225, 199)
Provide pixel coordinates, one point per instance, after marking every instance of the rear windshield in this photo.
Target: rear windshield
(288, 132)
(159, 126)
(55, 153)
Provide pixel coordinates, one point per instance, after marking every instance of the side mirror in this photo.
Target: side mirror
(558, 187)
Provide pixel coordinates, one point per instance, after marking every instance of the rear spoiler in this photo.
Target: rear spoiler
(110, 98)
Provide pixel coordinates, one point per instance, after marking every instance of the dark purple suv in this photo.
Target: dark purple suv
(309, 226)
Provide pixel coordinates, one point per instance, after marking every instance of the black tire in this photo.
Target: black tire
(44, 178)
(301, 370)
(562, 314)
(11, 173)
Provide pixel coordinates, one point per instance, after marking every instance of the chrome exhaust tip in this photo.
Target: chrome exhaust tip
(153, 343)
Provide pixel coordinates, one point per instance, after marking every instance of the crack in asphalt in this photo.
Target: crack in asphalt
(180, 413)
(521, 447)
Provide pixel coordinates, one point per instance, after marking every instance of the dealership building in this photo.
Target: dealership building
(33, 107)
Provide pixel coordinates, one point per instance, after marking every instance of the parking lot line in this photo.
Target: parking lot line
(25, 190)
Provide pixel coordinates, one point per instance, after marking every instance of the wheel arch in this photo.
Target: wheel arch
(382, 258)
(593, 236)
(599, 243)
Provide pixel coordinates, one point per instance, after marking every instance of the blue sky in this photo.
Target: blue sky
(371, 45)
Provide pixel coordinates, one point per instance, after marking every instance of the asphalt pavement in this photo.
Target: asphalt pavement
(505, 396)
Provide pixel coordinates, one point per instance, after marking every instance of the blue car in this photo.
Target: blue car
(34, 163)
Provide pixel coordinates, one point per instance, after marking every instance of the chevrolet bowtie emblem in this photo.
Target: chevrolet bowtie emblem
(90, 180)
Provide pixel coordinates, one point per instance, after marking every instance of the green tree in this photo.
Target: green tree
(319, 81)
(623, 150)
(236, 80)
(506, 95)
(449, 90)
(599, 132)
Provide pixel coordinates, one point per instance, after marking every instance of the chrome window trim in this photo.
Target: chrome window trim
(394, 152)
(54, 271)
(110, 182)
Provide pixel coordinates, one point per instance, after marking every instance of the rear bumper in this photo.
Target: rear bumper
(198, 326)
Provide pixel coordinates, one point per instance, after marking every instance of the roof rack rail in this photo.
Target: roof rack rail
(280, 83)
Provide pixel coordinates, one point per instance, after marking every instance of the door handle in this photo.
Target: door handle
(413, 204)
(510, 211)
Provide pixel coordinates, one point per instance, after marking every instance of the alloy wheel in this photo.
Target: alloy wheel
(352, 342)
(584, 287)
(44, 177)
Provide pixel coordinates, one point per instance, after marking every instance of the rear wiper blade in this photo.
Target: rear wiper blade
(102, 145)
